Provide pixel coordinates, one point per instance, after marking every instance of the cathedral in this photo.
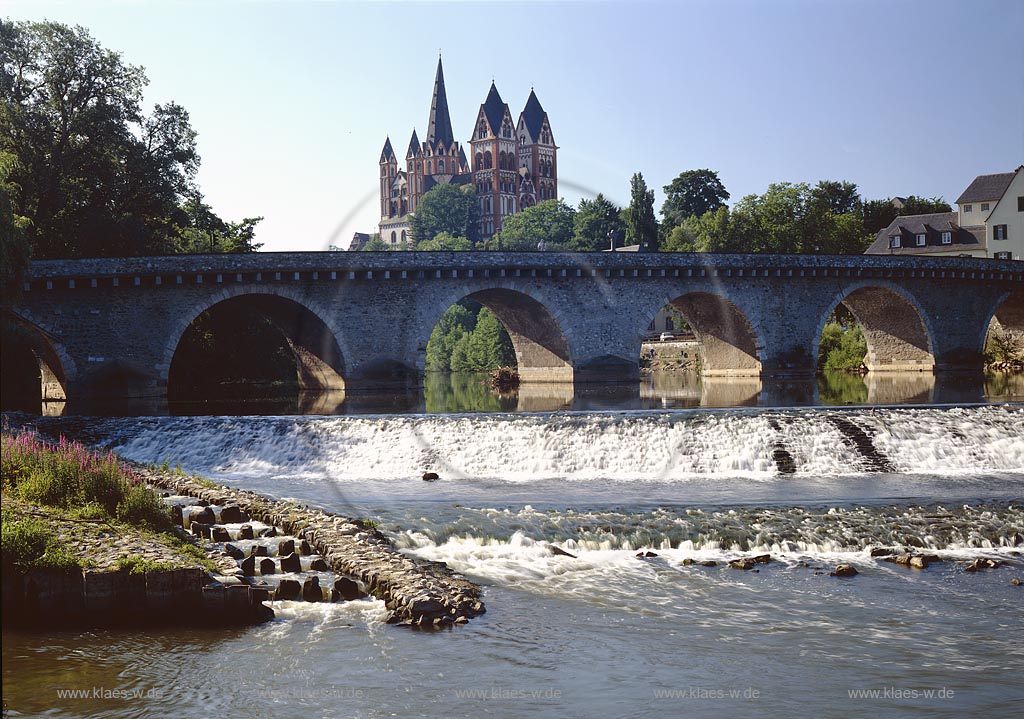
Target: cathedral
(514, 164)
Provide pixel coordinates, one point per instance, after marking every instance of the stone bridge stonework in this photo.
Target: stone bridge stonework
(111, 326)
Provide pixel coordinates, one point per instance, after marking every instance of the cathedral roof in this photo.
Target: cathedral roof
(463, 160)
(533, 115)
(387, 153)
(494, 109)
(439, 127)
(414, 146)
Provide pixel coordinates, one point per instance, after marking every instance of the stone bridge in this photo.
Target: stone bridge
(111, 327)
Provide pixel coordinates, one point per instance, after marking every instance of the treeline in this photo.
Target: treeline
(830, 217)
(84, 172)
(468, 338)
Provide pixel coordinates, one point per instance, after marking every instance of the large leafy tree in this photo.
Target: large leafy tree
(444, 241)
(95, 175)
(692, 194)
(641, 224)
(787, 218)
(447, 208)
(547, 224)
(593, 221)
(14, 249)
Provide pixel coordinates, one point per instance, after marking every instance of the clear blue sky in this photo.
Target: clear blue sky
(293, 100)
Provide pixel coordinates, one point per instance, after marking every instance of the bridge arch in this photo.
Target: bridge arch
(308, 330)
(730, 342)
(535, 328)
(37, 369)
(898, 332)
(1006, 319)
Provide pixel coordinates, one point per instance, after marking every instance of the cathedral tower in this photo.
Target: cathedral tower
(538, 154)
(495, 174)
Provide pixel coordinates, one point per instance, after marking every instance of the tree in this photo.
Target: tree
(641, 224)
(444, 241)
(547, 224)
(915, 205)
(14, 247)
(593, 221)
(375, 244)
(838, 197)
(458, 320)
(204, 231)
(692, 194)
(447, 208)
(95, 175)
(711, 232)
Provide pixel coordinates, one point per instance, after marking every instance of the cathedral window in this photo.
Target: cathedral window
(393, 237)
(403, 237)
(440, 166)
(487, 160)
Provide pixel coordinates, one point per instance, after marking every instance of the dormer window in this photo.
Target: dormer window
(947, 238)
(921, 239)
(894, 241)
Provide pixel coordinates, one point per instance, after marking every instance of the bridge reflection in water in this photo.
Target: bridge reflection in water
(468, 392)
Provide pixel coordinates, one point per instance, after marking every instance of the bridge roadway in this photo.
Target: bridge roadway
(112, 326)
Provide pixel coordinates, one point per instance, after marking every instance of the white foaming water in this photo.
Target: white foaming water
(620, 447)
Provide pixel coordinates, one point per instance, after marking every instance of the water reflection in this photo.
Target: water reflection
(469, 392)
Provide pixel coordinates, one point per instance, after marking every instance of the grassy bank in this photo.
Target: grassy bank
(66, 507)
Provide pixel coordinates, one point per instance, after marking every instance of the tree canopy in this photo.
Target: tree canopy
(547, 224)
(787, 218)
(593, 221)
(641, 224)
(447, 208)
(692, 194)
(94, 175)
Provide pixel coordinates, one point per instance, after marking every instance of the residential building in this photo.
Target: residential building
(989, 222)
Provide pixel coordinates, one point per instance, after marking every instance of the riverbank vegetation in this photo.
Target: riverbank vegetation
(468, 338)
(47, 487)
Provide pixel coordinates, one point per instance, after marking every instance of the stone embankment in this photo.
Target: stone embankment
(416, 592)
(130, 578)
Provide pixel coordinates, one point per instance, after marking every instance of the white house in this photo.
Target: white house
(989, 222)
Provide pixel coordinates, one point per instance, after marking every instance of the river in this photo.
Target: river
(604, 633)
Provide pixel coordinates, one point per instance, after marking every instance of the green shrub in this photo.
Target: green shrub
(27, 543)
(135, 564)
(849, 354)
(142, 507)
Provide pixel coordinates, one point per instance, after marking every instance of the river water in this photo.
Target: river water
(603, 633)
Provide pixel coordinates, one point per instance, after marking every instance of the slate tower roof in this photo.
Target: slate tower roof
(439, 127)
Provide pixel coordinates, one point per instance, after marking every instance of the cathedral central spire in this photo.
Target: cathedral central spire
(439, 127)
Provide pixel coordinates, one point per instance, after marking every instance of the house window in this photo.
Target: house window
(947, 238)
(921, 239)
(1020, 204)
(999, 232)
(984, 207)
(894, 241)
(1002, 255)
(968, 208)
